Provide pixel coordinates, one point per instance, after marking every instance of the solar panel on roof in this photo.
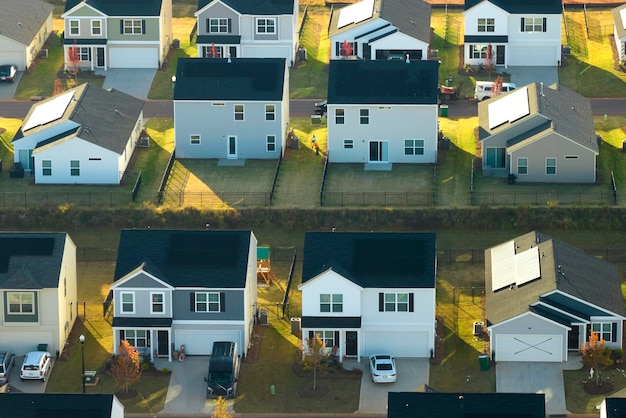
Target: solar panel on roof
(203, 250)
(355, 13)
(389, 257)
(502, 272)
(527, 266)
(49, 111)
(509, 108)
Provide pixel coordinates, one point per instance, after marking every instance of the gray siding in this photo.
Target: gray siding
(142, 280)
(142, 303)
(218, 10)
(233, 311)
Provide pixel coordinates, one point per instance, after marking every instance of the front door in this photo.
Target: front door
(100, 57)
(232, 51)
(232, 147)
(379, 152)
(573, 338)
(351, 343)
(162, 349)
(499, 54)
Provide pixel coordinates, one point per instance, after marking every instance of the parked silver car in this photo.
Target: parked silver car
(7, 360)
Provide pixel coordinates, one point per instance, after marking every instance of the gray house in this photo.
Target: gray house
(538, 134)
(619, 30)
(244, 103)
(175, 288)
(545, 297)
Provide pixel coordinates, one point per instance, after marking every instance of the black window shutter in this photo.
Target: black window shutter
(588, 332)
(230, 25)
(545, 24)
(356, 49)
(411, 303)
(122, 26)
(222, 302)
(122, 336)
(208, 25)
(311, 336)
(522, 28)
(381, 302)
(337, 338)
(614, 332)
(143, 26)
(337, 48)
(471, 51)
(89, 54)
(192, 301)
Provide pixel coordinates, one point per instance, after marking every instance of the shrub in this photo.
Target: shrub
(165, 370)
(145, 366)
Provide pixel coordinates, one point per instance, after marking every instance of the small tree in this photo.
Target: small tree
(221, 409)
(496, 89)
(58, 87)
(126, 369)
(595, 356)
(488, 64)
(73, 57)
(315, 356)
(346, 49)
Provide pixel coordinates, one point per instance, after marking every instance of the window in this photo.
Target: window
(132, 27)
(522, 166)
(331, 302)
(238, 112)
(328, 337)
(365, 116)
(212, 51)
(266, 25)
(396, 302)
(219, 25)
(413, 147)
(486, 25)
(157, 302)
(194, 139)
(604, 330)
(138, 338)
(128, 302)
(271, 143)
(348, 143)
(84, 54)
(74, 27)
(96, 27)
(496, 157)
(550, 165)
(47, 167)
(207, 302)
(339, 116)
(21, 303)
(534, 24)
(270, 112)
(75, 168)
(478, 51)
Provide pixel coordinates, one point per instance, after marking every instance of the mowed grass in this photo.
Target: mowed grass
(152, 161)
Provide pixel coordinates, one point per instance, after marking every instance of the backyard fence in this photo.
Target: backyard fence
(542, 197)
(96, 254)
(377, 198)
(166, 175)
(275, 179)
(26, 199)
(136, 187)
(216, 199)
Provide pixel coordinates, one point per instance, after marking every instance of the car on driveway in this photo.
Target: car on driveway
(8, 72)
(320, 108)
(36, 366)
(7, 361)
(383, 368)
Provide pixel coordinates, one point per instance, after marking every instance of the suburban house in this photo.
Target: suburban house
(85, 135)
(36, 405)
(613, 408)
(538, 134)
(382, 112)
(545, 297)
(465, 405)
(243, 103)
(518, 33)
(381, 30)
(619, 31)
(369, 293)
(247, 29)
(182, 290)
(25, 27)
(38, 284)
(116, 33)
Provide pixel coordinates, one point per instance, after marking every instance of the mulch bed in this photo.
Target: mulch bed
(121, 394)
(592, 389)
(331, 371)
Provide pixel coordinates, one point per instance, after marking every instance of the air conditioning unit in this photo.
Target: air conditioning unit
(43, 53)
(478, 328)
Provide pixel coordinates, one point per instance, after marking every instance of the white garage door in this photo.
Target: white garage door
(13, 57)
(529, 347)
(532, 56)
(200, 343)
(133, 58)
(398, 344)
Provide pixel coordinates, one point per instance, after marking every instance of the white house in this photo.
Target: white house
(382, 112)
(370, 293)
(381, 29)
(519, 33)
(85, 135)
(619, 30)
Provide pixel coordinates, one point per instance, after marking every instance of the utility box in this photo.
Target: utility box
(90, 377)
(175, 43)
(316, 119)
(478, 328)
(263, 318)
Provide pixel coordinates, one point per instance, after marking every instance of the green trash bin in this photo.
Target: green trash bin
(444, 111)
(483, 360)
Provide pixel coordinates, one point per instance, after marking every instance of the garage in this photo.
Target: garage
(398, 344)
(200, 343)
(133, 58)
(532, 347)
(13, 57)
(532, 56)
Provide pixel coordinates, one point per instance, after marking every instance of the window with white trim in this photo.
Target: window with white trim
(550, 166)
(207, 302)
(266, 25)
(194, 139)
(21, 303)
(364, 115)
(239, 112)
(138, 338)
(96, 27)
(533, 24)
(270, 112)
(340, 116)
(522, 165)
(348, 143)
(132, 26)
(604, 330)
(271, 143)
(128, 302)
(46, 165)
(218, 25)
(74, 27)
(413, 147)
(213, 51)
(74, 168)
(396, 302)
(331, 302)
(486, 25)
(83, 53)
(156, 302)
(327, 337)
(478, 51)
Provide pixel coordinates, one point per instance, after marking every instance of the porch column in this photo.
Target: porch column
(169, 345)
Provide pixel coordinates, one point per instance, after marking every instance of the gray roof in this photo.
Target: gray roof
(411, 17)
(21, 20)
(121, 7)
(619, 22)
(373, 259)
(255, 7)
(522, 6)
(187, 258)
(581, 275)
(107, 118)
(37, 405)
(31, 260)
(569, 114)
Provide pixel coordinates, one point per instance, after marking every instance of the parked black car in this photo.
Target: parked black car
(8, 72)
(320, 108)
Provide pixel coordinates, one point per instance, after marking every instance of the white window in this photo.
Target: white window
(132, 27)
(239, 112)
(348, 143)
(75, 168)
(207, 302)
(83, 54)
(327, 337)
(339, 116)
(271, 143)
(219, 25)
(156, 303)
(486, 25)
(138, 338)
(396, 302)
(331, 302)
(46, 165)
(413, 147)
(522, 165)
(270, 112)
(128, 302)
(74, 27)
(364, 116)
(478, 51)
(266, 25)
(194, 139)
(21, 303)
(604, 330)
(213, 51)
(550, 165)
(533, 24)
(96, 27)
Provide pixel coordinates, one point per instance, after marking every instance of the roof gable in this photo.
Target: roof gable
(255, 7)
(20, 20)
(522, 6)
(120, 7)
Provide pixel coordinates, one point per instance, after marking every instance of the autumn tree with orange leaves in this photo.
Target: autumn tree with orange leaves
(595, 356)
(126, 368)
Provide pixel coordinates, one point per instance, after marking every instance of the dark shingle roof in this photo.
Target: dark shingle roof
(523, 6)
(256, 7)
(239, 79)
(212, 259)
(382, 82)
(21, 20)
(31, 405)
(465, 405)
(373, 259)
(615, 407)
(31, 260)
(121, 7)
(582, 276)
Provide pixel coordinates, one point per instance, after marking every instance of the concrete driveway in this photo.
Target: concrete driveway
(7, 90)
(133, 81)
(526, 75)
(546, 378)
(28, 386)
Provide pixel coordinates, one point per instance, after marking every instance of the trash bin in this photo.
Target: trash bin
(483, 360)
(444, 111)
(296, 325)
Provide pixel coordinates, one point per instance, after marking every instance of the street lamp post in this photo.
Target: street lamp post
(82, 345)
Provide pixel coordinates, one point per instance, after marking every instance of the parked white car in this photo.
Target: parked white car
(383, 368)
(36, 366)
(484, 89)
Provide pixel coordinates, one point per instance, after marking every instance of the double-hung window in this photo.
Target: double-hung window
(478, 51)
(266, 25)
(207, 302)
(239, 112)
(551, 166)
(339, 116)
(270, 112)
(364, 116)
(218, 25)
(327, 337)
(486, 25)
(156, 302)
(138, 338)
(331, 302)
(534, 24)
(522, 165)
(194, 139)
(271, 143)
(128, 302)
(604, 330)
(348, 143)
(75, 168)
(396, 302)
(413, 147)
(21, 303)
(46, 165)
(74, 27)
(132, 26)
(96, 27)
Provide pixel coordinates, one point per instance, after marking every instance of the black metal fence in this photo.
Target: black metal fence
(166, 175)
(215, 200)
(136, 187)
(26, 199)
(542, 197)
(377, 198)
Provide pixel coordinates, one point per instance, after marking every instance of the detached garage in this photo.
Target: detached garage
(200, 343)
(397, 343)
(133, 58)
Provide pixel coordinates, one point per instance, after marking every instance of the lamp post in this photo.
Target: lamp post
(173, 81)
(82, 345)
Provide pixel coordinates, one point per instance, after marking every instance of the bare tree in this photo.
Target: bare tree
(315, 356)
(595, 356)
(126, 369)
(221, 409)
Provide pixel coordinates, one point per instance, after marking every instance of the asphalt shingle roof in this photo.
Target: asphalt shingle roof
(187, 258)
(255, 7)
(239, 79)
(382, 82)
(523, 6)
(121, 7)
(38, 405)
(21, 20)
(373, 259)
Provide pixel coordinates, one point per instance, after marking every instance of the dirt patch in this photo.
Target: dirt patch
(592, 389)
(255, 345)
(333, 370)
